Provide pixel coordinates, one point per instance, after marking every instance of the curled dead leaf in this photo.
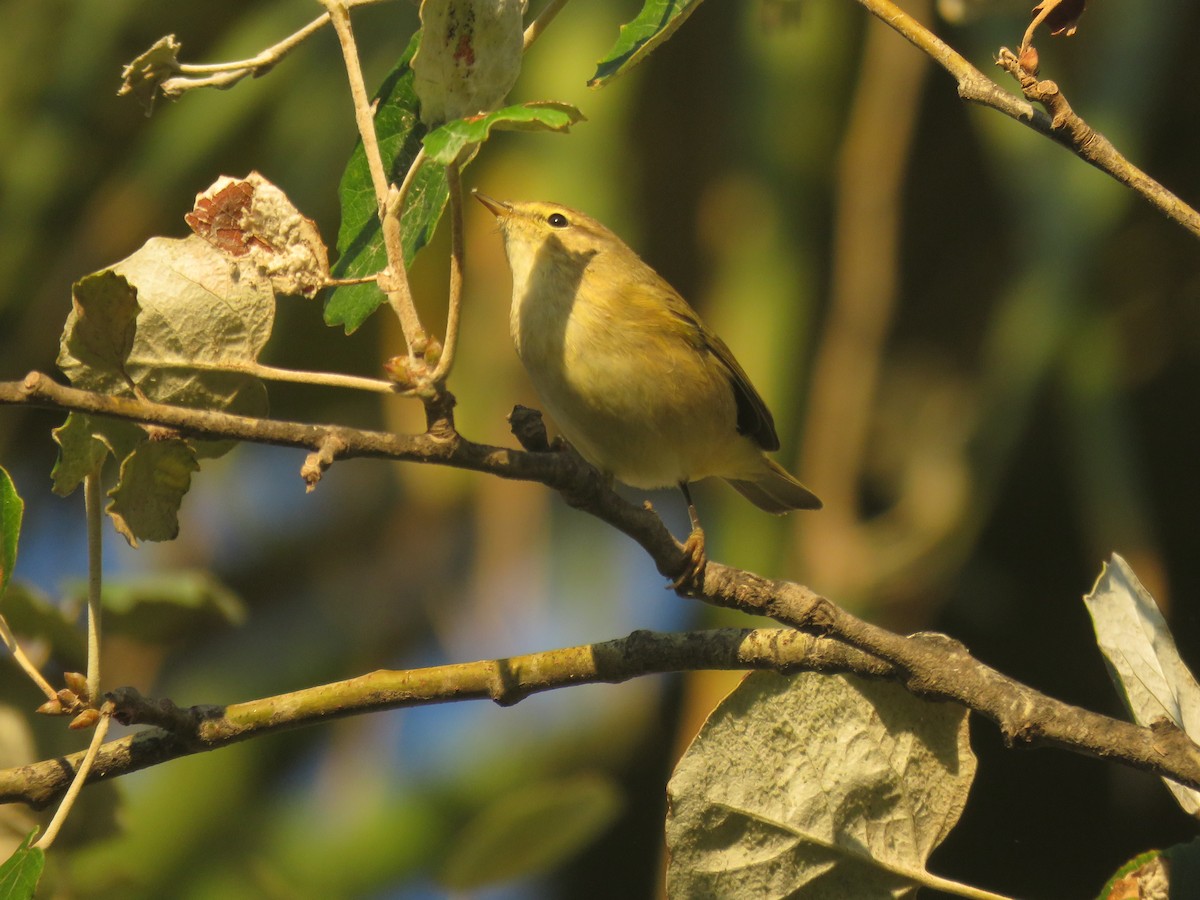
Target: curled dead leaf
(143, 77)
(252, 218)
(1061, 16)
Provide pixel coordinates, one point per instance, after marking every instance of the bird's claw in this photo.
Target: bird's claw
(690, 580)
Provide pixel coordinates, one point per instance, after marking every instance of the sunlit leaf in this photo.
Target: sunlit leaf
(101, 332)
(657, 21)
(200, 317)
(1157, 875)
(469, 57)
(816, 785)
(1142, 659)
(252, 218)
(360, 238)
(446, 143)
(21, 872)
(145, 74)
(203, 319)
(531, 830)
(12, 508)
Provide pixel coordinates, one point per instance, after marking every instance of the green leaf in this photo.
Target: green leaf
(653, 25)
(12, 508)
(360, 238)
(531, 830)
(164, 607)
(80, 453)
(21, 872)
(100, 334)
(816, 785)
(444, 144)
(32, 614)
(154, 478)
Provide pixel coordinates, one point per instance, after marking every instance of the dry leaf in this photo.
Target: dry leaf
(253, 218)
(1060, 16)
(469, 58)
(144, 75)
(816, 785)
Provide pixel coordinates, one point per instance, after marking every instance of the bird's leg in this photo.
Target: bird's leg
(691, 579)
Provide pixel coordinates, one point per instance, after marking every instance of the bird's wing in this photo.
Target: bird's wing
(753, 418)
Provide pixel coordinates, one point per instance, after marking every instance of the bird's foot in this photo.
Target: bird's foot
(690, 581)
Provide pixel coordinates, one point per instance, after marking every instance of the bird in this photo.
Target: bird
(634, 379)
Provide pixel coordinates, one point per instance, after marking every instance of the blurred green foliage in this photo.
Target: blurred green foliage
(1032, 411)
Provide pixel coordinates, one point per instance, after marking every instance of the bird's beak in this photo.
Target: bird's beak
(497, 208)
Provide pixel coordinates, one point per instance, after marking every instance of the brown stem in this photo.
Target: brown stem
(1085, 143)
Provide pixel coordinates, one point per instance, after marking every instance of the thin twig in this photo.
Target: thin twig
(94, 510)
(394, 282)
(324, 379)
(364, 114)
(226, 74)
(78, 780)
(543, 20)
(26, 664)
(223, 75)
(1084, 142)
(457, 252)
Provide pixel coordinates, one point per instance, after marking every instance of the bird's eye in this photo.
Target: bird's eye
(557, 220)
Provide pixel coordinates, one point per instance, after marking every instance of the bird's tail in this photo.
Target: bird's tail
(775, 490)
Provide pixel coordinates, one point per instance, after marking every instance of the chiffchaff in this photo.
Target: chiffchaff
(636, 382)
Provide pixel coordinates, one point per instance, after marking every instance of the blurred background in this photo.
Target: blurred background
(981, 353)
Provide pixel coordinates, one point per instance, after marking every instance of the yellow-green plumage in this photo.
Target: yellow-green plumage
(628, 371)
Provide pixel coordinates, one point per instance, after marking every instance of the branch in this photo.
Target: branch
(930, 665)
(394, 282)
(1069, 130)
(176, 732)
(580, 484)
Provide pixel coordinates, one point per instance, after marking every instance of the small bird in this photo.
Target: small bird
(636, 382)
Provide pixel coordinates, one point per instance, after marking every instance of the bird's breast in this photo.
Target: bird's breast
(640, 402)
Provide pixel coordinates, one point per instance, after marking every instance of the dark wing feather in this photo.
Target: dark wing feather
(753, 418)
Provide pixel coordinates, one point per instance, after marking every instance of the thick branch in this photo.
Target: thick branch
(581, 485)
(176, 732)
(931, 666)
(939, 668)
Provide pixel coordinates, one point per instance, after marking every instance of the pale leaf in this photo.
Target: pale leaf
(469, 57)
(1142, 659)
(201, 312)
(816, 786)
(144, 76)
(251, 218)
